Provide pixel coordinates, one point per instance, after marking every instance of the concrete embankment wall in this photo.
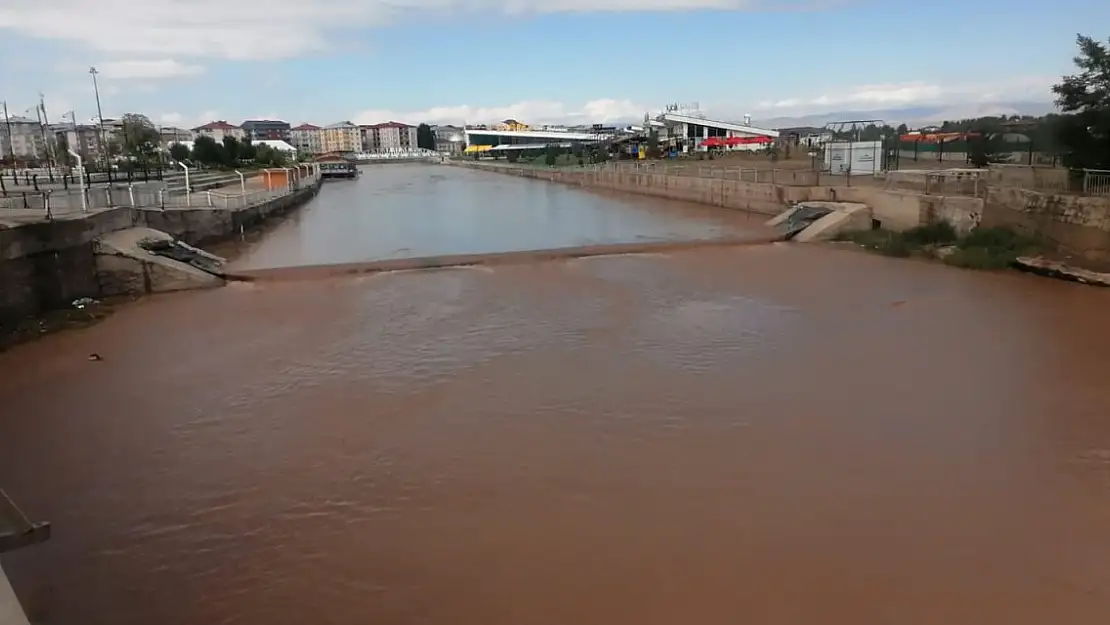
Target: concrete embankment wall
(1078, 224)
(47, 265)
(897, 210)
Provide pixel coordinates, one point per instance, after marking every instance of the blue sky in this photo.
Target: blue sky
(190, 61)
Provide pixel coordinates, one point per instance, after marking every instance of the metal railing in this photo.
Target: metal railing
(54, 203)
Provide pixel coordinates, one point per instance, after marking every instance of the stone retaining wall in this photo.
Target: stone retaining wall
(47, 265)
(1079, 225)
(897, 210)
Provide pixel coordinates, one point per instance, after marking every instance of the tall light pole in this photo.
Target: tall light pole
(100, 116)
(11, 144)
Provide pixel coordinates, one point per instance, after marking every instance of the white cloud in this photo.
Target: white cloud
(529, 112)
(915, 93)
(274, 29)
(170, 119)
(165, 68)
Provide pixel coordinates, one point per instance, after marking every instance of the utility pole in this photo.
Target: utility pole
(101, 140)
(11, 143)
(80, 148)
(45, 143)
(51, 147)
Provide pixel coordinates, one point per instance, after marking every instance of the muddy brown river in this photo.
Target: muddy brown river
(772, 434)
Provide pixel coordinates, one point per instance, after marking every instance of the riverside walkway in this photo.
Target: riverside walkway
(209, 190)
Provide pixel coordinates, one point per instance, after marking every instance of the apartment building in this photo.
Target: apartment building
(449, 139)
(307, 138)
(83, 139)
(341, 137)
(388, 137)
(21, 138)
(172, 134)
(218, 130)
(267, 130)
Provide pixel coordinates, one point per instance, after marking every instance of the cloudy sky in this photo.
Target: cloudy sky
(186, 62)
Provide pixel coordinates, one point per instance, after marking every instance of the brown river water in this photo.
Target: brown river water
(774, 434)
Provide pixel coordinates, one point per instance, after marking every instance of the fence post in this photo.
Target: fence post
(209, 194)
(131, 194)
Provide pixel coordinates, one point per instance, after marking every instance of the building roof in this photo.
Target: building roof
(280, 146)
(341, 125)
(18, 119)
(332, 157)
(539, 135)
(216, 125)
(751, 130)
(256, 122)
(389, 125)
(307, 127)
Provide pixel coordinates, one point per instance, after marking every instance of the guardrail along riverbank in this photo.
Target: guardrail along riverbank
(1077, 223)
(46, 264)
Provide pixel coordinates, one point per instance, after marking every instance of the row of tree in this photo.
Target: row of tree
(231, 153)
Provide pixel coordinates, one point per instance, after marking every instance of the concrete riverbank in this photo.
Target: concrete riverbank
(1079, 225)
(11, 613)
(47, 264)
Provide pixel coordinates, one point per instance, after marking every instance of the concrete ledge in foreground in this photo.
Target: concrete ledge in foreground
(11, 613)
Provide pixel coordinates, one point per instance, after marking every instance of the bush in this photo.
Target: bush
(936, 233)
(992, 248)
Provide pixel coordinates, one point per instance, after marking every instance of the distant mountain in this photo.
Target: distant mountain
(912, 116)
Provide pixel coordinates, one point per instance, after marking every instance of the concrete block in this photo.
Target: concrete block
(844, 217)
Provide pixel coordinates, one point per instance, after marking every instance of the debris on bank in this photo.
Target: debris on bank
(1061, 271)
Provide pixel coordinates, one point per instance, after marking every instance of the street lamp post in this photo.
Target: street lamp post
(100, 116)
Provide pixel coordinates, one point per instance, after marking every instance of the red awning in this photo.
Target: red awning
(713, 142)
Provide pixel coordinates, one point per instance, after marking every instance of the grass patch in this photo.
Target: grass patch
(984, 248)
(992, 248)
(882, 241)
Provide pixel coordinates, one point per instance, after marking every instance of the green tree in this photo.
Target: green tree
(551, 155)
(207, 152)
(231, 151)
(65, 159)
(425, 137)
(982, 149)
(247, 149)
(1083, 133)
(179, 152)
(140, 137)
(653, 144)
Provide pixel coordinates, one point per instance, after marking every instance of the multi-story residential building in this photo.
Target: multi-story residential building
(267, 129)
(307, 138)
(83, 139)
(449, 139)
(21, 138)
(388, 137)
(218, 130)
(171, 134)
(341, 137)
